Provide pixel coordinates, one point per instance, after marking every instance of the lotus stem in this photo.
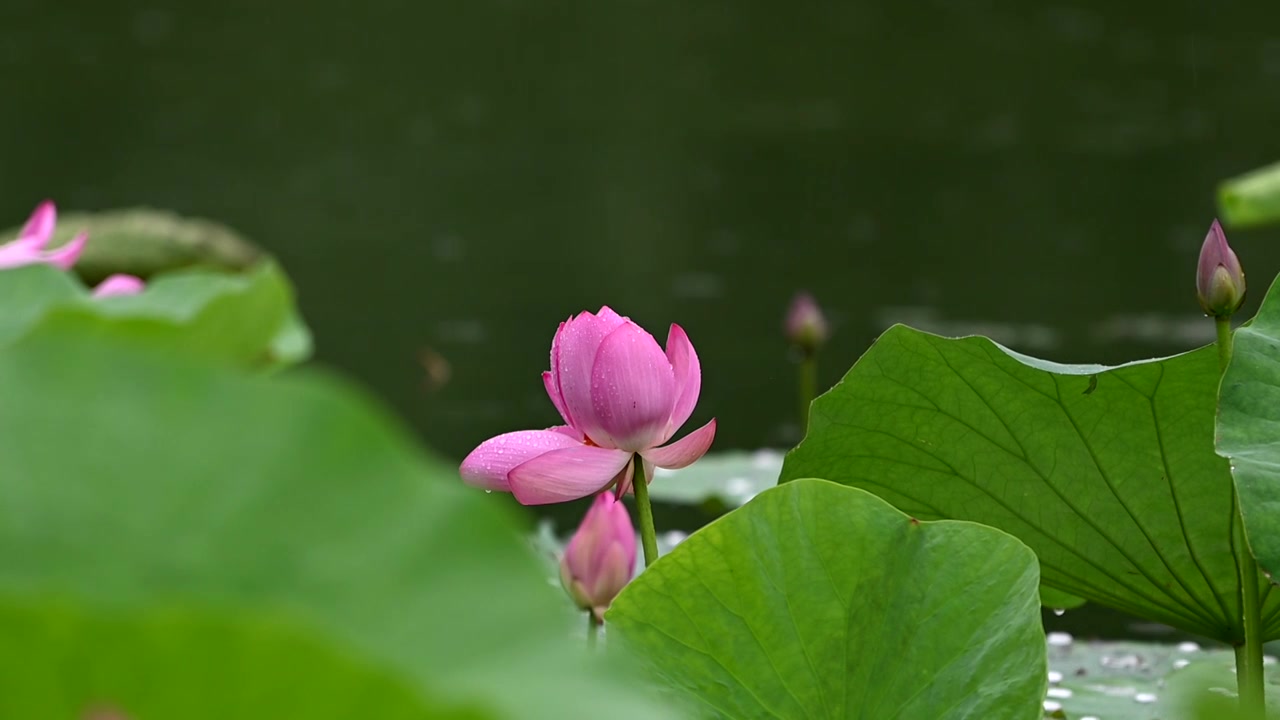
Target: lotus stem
(1249, 665)
(593, 629)
(648, 538)
(808, 372)
(1224, 341)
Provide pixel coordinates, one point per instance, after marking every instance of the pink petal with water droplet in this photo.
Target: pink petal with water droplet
(566, 474)
(489, 464)
(551, 378)
(632, 388)
(574, 354)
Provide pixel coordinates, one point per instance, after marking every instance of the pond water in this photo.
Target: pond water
(448, 181)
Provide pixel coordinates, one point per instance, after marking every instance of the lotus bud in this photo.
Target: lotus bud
(601, 555)
(1219, 277)
(806, 327)
(119, 284)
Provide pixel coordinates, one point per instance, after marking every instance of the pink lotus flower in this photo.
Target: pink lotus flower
(600, 557)
(119, 285)
(620, 395)
(28, 248)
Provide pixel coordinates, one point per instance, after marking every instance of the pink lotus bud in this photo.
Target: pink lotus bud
(806, 327)
(601, 555)
(119, 285)
(1219, 277)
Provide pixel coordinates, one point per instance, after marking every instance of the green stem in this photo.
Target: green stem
(1249, 666)
(593, 629)
(1249, 672)
(808, 386)
(1224, 341)
(648, 538)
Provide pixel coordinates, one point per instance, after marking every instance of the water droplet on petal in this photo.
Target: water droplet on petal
(1052, 706)
(1059, 612)
(1060, 693)
(1055, 676)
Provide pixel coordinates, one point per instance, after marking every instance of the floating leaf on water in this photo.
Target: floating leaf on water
(246, 318)
(146, 241)
(731, 478)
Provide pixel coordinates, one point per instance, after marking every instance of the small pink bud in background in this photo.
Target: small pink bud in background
(601, 555)
(28, 248)
(1219, 277)
(806, 326)
(119, 285)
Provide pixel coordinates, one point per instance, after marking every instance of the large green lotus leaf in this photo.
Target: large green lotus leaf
(29, 293)
(247, 319)
(134, 484)
(1058, 600)
(816, 600)
(173, 663)
(1109, 474)
(1252, 198)
(146, 241)
(1249, 427)
(205, 313)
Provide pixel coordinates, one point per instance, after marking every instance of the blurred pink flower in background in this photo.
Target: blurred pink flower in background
(805, 326)
(28, 248)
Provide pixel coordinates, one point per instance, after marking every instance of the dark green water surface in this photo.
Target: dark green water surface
(454, 178)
